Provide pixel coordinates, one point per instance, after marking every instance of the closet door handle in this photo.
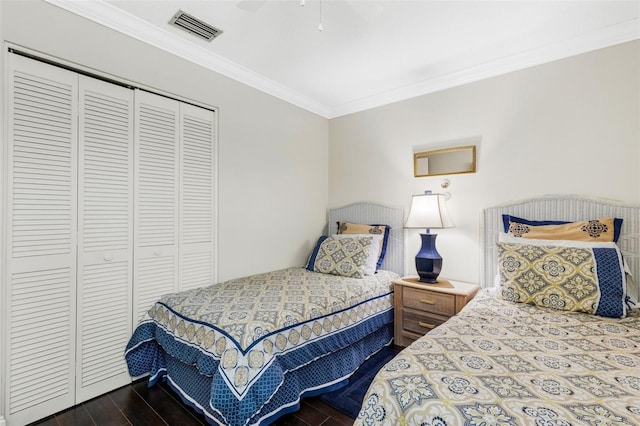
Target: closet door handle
(157, 252)
(107, 256)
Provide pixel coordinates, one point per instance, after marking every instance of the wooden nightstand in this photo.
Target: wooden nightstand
(420, 307)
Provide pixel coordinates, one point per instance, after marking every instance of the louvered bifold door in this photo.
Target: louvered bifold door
(105, 236)
(197, 209)
(156, 199)
(39, 310)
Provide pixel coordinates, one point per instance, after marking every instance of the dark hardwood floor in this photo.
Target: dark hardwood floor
(139, 405)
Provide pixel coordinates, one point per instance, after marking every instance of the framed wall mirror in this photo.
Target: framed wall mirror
(446, 161)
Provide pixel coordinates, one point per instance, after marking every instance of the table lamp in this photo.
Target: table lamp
(428, 211)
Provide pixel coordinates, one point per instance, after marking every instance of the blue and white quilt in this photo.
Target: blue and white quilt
(513, 364)
(247, 333)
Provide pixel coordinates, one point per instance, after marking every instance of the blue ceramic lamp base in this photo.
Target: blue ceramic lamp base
(428, 260)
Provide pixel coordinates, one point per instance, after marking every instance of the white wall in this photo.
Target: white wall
(273, 157)
(570, 126)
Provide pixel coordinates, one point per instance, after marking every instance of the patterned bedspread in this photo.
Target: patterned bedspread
(499, 363)
(247, 333)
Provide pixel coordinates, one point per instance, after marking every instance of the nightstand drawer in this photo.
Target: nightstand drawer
(420, 324)
(429, 301)
(418, 308)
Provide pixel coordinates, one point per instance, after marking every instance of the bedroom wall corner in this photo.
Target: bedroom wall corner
(568, 126)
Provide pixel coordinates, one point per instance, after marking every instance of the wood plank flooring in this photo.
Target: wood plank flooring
(138, 405)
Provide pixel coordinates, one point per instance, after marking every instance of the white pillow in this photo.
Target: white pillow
(372, 261)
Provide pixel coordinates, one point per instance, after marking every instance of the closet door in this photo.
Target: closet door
(157, 162)
(197, 215)
(40, 307)
(105, 237)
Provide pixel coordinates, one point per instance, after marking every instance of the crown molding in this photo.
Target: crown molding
(606, 37)
(116, 19)
(112, 17)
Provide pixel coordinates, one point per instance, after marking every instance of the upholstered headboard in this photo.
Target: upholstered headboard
(378, 214)
(566, 208)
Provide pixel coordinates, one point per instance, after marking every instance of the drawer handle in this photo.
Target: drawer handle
(427, 301)
(426, 325)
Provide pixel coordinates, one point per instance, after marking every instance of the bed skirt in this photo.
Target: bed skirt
(324, 374)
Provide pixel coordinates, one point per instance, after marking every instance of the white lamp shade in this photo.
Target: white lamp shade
(428, 211)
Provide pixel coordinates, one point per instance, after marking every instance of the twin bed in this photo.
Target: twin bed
(503, 363)
(296, 333)
(245, 351)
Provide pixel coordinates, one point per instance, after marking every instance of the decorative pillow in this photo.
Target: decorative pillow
(372, 260)
(603, 229)
(356, 228)
(570, 277)
(341, 256)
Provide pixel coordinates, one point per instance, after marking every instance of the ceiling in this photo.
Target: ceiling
(369, 53)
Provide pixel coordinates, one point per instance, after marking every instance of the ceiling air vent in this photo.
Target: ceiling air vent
(195, 26)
